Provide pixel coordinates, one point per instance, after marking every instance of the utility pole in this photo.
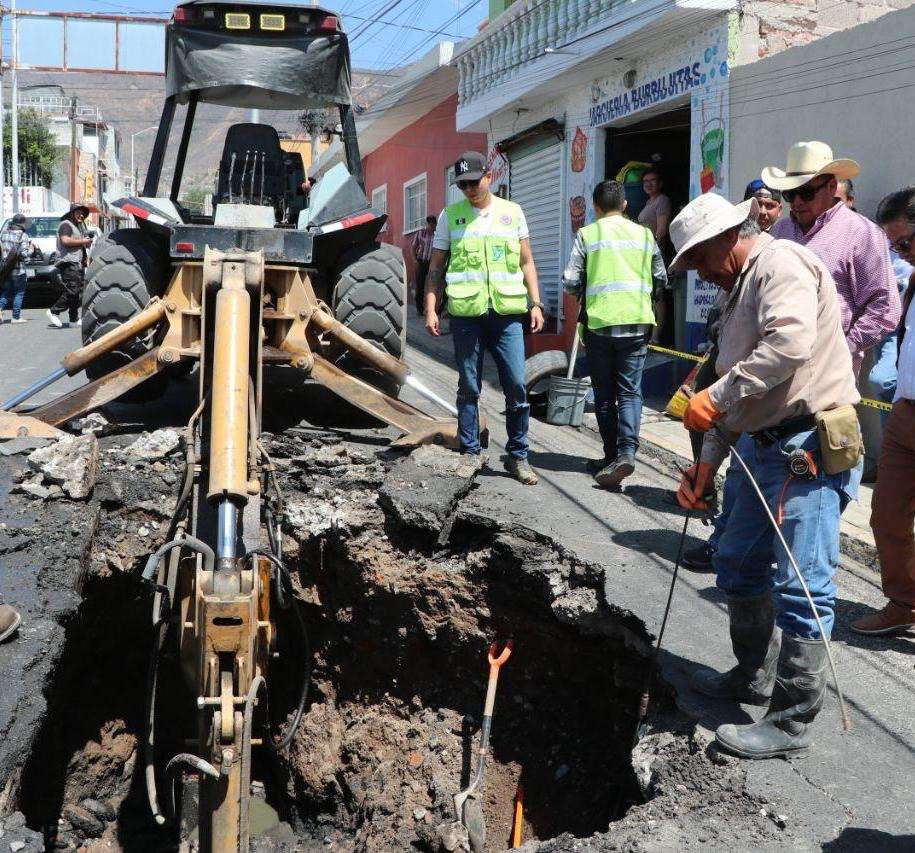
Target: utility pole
(2, 154)
(15, 106)
(74, 163)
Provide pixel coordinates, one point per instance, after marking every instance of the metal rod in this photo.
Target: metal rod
(226, 529)
(846, 722)
(430, 395)
(263, 168)
(253, 175)
(231, 175)
(33, 389)
(244, 171)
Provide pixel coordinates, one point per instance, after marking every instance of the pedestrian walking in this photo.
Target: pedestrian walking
(73, 242)
(893, 504)
(491, 286)
(422, 254)
(785, 378)
(16, 247)
(615, 268)
(853, 248)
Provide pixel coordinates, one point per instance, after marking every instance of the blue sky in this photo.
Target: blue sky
(408, 29)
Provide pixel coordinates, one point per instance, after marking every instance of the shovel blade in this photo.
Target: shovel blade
(472, 818)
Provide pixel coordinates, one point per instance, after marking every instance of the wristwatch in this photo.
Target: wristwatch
(537, 305)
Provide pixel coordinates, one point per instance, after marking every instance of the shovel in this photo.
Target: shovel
(467, 803)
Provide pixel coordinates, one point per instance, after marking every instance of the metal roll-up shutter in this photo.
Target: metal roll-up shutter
(535, 185)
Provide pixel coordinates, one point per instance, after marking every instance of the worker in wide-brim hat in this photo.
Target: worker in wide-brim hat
(781, 362)
(73, 242)
(854, 250)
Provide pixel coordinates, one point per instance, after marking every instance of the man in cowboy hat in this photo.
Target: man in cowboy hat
(73, 241)
(853, 249)
(781, 360)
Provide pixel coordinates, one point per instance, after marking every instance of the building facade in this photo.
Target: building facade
(577, 91)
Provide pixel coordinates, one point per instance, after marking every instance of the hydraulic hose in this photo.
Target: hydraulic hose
(306, 646)
(244, 805)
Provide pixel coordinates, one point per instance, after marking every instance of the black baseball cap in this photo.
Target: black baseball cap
(470, 166)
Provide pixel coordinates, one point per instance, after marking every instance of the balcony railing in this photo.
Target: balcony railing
(527, 30)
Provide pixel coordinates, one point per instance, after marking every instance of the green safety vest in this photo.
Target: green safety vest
(618, 265)
(485, 263)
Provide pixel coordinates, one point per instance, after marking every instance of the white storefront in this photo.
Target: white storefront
(661, 82)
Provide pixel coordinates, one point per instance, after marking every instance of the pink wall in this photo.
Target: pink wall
(430, 145)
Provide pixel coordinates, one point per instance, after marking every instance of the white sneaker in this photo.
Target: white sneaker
(19, 320)
(3, 320)
(53, 319)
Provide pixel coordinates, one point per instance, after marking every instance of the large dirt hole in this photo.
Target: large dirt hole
(399, 627)
(400, 674)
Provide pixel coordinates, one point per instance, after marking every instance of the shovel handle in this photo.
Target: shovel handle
(496, 660)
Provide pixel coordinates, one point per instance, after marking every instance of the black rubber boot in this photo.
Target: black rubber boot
(755, 641)
(800, 686)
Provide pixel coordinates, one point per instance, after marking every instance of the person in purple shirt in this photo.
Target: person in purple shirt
(853, 248)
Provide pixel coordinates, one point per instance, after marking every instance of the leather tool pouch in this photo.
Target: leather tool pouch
(841, 444)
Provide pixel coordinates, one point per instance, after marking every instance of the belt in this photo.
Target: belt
(790, 427)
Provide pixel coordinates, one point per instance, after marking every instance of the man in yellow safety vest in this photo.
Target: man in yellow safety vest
(614, 267)
(491, 285)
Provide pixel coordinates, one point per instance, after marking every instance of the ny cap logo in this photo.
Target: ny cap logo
(462, 167)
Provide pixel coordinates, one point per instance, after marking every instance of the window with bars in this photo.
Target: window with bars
(453, 192)
(414, 203)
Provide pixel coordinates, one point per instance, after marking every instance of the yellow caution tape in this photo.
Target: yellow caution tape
(690, 356)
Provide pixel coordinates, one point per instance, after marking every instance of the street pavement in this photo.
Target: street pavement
(32, 350)
(853, 791)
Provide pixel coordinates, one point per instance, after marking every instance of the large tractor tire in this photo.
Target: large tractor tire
(128, 268)
(370, 297)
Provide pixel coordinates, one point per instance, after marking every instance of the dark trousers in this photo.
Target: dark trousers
(616, 376)
(71, 278)
(422, 270)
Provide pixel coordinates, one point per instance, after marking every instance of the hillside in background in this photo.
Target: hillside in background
(133, 102)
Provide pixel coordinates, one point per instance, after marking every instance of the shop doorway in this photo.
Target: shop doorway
(663, 140)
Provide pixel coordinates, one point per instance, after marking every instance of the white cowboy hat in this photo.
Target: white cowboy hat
(705, 217)
(806, 160)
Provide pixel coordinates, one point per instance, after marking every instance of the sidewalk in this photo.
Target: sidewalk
(660, 432)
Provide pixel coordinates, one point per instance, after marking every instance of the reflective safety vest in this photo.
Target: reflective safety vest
(485, 263)
(618, 266)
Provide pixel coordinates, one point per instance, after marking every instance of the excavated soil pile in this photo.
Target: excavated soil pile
(403, 586)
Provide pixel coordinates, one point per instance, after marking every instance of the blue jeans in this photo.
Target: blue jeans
(616, 377)
(13, 293)
(503, 336)
(745, 447)
(810, 525)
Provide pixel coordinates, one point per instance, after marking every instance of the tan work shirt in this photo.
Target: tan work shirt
(781, 351)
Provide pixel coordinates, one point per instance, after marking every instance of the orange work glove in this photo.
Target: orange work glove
(696, 483)
(700, 412)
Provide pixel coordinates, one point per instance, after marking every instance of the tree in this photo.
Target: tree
(38, 150)
(193, 198)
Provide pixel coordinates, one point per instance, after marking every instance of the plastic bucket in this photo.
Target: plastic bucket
(566, 402)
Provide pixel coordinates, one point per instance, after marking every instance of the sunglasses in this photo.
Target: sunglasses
(901, 247)
(467, 185)
(804, 193)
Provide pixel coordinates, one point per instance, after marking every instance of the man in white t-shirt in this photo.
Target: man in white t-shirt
(491, 285)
